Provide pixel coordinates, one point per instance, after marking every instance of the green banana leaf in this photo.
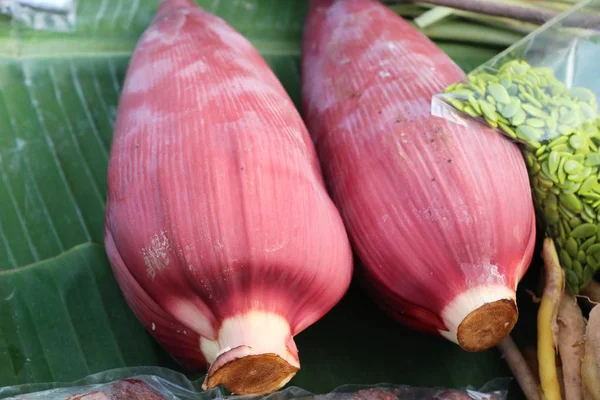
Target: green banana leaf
(62, 316)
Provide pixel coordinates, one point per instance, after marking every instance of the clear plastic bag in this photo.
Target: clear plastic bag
(55, 15)
(153, 383)
(542, 93)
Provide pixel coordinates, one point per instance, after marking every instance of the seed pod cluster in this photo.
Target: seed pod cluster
(560, 130)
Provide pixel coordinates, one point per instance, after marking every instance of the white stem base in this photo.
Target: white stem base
(254, 354)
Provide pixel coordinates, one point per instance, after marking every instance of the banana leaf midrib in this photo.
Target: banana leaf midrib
(80, 48)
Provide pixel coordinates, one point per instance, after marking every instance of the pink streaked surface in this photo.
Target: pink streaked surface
(216, 203)
(433, 208)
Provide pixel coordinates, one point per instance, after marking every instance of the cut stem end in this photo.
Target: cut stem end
(253, 375)
(486, 326)
(479, 318)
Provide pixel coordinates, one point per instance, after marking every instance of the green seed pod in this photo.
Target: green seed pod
(519, 117)
(562, 175)
(508, 130)
(574, 223)
(584, 231)
(462, 94)
(531, 99)
(506, 82)
(535, 122)
(565, 129)
(588, 184)
(558, 141)
(553, 162)
(488, 110)
(577, 268)
(457, 104)
(592, 159)
(535, 111)
(576, 141)
(573, 188)
(572, 167)
(509, 110)
(469, 110)
(588, 273)
(588, 243)
(473, 103)
(593, 250)
(587, 111)
(565, 259)
(528, 133)
(541, 151)
(492, 123)
(499, 93)
(570, 119)
(571, 247)
(572, 280)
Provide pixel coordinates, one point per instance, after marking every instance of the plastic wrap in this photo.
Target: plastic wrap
(55, 15)
(152, 383)
(542, 93)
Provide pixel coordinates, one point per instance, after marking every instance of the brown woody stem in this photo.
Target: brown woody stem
(521, 371)
(501, 9)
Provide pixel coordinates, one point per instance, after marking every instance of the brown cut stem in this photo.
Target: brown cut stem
(570, 345)
(487, 325)
(546, 322)
(521, 371)
(252, 375)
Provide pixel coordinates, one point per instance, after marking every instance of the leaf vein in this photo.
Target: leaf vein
(77, 149)
(30, 244)
(55, 158)
(88, 113)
